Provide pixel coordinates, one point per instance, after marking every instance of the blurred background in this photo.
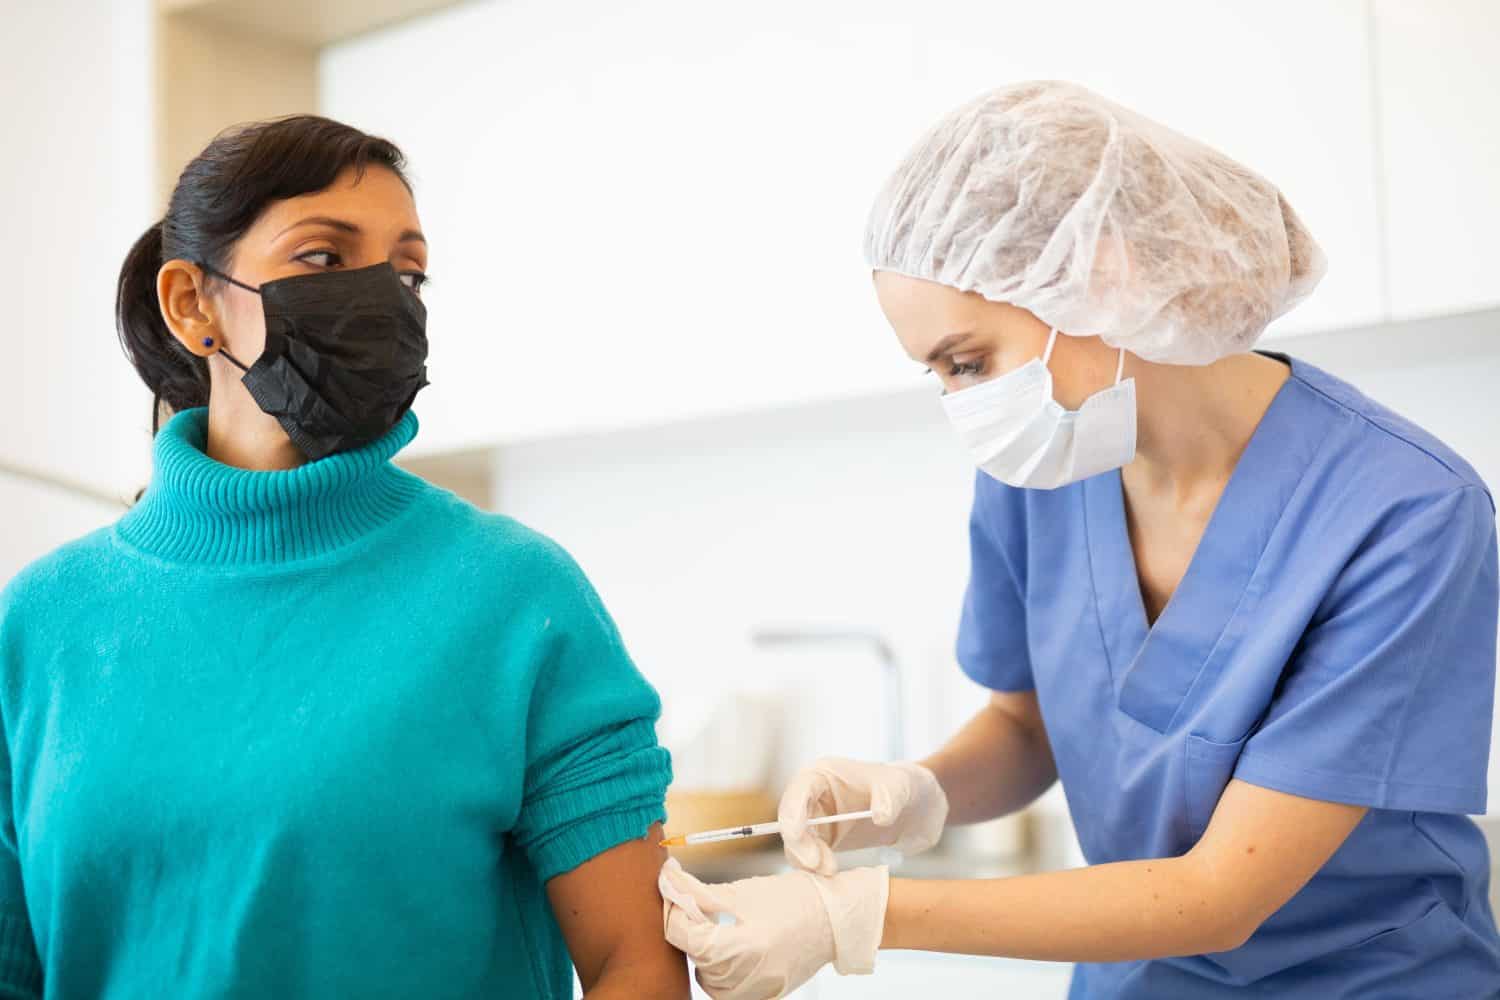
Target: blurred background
(653, 335)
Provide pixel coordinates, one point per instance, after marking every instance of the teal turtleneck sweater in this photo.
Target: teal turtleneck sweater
(316, 733)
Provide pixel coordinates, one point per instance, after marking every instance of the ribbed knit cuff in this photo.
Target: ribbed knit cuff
(578, 843)
(611, 796)
(20, 969)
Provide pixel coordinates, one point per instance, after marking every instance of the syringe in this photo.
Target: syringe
(755, 830)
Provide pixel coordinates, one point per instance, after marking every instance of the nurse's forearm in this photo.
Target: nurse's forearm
(1261, 847)
(1107, 913)
(996, 764)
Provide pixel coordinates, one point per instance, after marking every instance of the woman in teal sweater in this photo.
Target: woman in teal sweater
(301, 724)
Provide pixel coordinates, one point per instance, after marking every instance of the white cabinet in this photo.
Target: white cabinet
(1439, 100)
(653, 211)
(641, 212)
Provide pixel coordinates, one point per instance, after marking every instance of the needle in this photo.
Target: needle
(756, 830)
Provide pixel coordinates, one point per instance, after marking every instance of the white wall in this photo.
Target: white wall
(850, 514)
(854, 513)
(75, 191)
(38, 519)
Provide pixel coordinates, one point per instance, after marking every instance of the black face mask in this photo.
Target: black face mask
(345, 356)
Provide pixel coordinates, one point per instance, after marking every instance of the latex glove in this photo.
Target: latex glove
(909, 805)
(786, 927)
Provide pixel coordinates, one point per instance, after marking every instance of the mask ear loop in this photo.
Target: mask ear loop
(1120, 369)
(1047, 354)
(220, 274)
(222, 349)
(232, 359)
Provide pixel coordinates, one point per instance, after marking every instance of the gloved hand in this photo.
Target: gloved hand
(786, 927)
(909, 806)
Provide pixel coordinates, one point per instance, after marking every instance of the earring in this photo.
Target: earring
(208, 341)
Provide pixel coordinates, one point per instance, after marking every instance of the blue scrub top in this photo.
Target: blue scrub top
(1334, 637)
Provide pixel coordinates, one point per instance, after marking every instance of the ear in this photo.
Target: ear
(188, 311)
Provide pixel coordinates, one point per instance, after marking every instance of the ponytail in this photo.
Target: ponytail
(176, 377)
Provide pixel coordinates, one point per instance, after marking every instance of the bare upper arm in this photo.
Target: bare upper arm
(1262, 846)
(1023, 707)
(610, 913)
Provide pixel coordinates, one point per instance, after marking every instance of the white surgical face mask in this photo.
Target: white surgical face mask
(1023, 437)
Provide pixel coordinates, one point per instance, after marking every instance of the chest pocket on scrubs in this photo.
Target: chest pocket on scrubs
(1208, 767)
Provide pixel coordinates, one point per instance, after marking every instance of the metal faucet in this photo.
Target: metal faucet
(890, 668)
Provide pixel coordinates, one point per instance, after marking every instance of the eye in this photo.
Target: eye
(331, 258)
(975, 367)
(414, 280)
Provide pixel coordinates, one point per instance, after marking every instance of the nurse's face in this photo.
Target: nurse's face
(965, 339)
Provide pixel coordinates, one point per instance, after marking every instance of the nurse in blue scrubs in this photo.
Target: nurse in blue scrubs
(1245, 615)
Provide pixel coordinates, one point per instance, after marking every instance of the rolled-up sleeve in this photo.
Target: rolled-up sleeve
(595, 774)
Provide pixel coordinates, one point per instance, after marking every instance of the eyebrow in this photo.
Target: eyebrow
(947, 344)
(345, 226)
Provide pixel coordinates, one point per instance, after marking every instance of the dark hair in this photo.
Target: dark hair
(218, 196)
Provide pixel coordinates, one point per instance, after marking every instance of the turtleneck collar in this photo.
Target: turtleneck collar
(202, 511)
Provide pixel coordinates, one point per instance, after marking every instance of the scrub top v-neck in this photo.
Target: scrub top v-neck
(1333, 637)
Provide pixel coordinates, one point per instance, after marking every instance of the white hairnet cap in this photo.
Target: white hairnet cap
(1099, 221)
